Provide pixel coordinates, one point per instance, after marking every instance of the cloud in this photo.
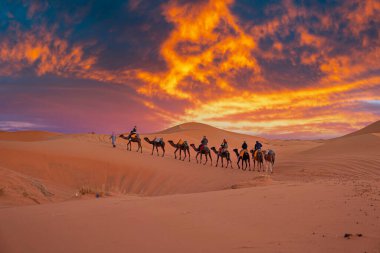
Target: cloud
(206, 49)
(18, 125)
(43, 51)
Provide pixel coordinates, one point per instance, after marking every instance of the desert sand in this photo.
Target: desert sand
(320, 190)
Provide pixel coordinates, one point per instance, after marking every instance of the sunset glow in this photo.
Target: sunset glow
(284, 70)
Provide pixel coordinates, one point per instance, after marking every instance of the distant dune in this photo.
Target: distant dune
(27, 136)
(320, 190)
(371, 128)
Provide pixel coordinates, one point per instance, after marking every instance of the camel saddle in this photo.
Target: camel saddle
(244, 151)
(222, 150)
(158, 140)
(256, 152)
(180, 142)
(133, 136)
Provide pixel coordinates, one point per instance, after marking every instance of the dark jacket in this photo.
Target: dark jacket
(204, 141)
(244, 146)
(258, 145)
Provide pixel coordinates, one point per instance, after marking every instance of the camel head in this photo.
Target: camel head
(236, 151)
(123, 136)
(194, 147)
(215, 151)
(251, 151)
(147, 139)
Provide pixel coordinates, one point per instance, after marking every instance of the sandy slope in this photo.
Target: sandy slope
(319, 191)
(27, 136)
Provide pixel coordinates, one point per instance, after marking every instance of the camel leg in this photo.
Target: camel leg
(206, 159)
(238, 163)
(217, 161)
(157, 151)
(188, 151)
(196, 157)
(211, 158)
(152, 149)
(222, 161)
(184, 151)
(249, 164)
(163, 151)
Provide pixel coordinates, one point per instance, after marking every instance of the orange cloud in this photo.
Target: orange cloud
(42, 49)
(206, 49)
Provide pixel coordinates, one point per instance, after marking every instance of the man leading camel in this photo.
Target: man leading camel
(113, 139)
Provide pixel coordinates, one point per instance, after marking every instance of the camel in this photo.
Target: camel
(132, 139)
(181, 147)
(156, 144)
(223, 155)
(259, 159)
(269, 157)
(205, 151)
(245, 159)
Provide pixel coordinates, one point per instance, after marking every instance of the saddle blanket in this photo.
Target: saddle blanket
(242, 152)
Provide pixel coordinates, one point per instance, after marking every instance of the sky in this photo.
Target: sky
(280, 69)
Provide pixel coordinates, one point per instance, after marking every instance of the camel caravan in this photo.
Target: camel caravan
(244, 156)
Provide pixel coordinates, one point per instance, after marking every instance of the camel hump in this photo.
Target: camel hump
(158, 139)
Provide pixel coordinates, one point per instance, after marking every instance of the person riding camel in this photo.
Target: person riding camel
(244, 149)
(258, 147)
(133, 133)
(204, 143)
(223, 147)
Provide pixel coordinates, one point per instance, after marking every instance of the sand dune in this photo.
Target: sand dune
(319, 191)
(27, 136)
(370, 129)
